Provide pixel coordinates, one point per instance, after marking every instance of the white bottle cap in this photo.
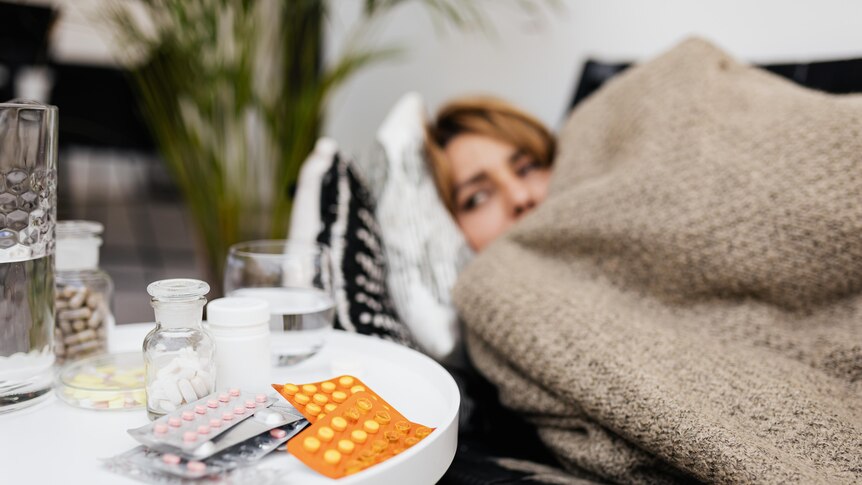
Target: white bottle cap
(237, 311)
(78, 245)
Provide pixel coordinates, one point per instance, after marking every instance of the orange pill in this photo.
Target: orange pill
(392, 436)
(326, 433)
(327, 386)
(411, 440)
(320, 399)
(422, 432)
(364, 404)
(339, 396)
(354, 466)
(311, 444)
(313, 409)
(301, 398)
(378, 446)
(352, 414)
(382, 417)
(346, 381)
(290, 389)
(330, 407)
(338, 423)
(332, 457)
(402, 426)
(355, 389)
(309, 388)
(358, 436)
(346, 446)
(371, 426)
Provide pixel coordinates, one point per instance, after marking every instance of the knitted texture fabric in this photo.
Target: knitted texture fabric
(686, 305)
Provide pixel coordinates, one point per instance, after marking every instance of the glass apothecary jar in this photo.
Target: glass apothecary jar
(83, 293)
(178, 353)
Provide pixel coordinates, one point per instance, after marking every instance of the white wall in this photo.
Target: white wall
(535, 61)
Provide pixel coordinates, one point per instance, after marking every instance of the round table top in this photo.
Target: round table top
(52, 442)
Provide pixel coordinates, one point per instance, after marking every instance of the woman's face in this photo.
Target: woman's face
(494, 185)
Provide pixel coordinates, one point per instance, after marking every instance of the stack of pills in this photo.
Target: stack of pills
(181, 378)
(353, 428)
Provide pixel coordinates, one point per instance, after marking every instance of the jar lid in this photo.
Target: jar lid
(178, 289)
(79, 229)
(78, 245)
(237, 311)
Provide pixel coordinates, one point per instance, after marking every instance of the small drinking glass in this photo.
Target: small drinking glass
(295, 278)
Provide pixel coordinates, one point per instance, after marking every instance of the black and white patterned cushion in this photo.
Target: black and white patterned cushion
(350, 230)
(424, 245)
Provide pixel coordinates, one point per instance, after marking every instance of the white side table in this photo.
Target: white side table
(53, 442)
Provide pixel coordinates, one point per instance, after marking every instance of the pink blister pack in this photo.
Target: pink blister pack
(191, 428)
(241, 455)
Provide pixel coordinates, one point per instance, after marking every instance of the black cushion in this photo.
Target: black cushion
(837, 77)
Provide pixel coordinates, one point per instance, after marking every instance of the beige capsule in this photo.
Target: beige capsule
(95, 320)
(84, 347)
(76, 314)
(88, 334)
(84, 336)
(94, 301)
(80, 297)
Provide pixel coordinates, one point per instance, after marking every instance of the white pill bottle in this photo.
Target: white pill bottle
(179, 355)
(240, 328)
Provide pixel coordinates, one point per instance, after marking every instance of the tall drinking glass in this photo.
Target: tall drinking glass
(295, 278)
(28, 199)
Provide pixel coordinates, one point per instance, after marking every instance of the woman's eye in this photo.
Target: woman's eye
(475, 200)
(525, 168)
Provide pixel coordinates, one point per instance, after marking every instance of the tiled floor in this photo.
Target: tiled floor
(148, 234)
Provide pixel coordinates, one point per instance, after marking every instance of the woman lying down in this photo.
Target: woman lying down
(682, 301)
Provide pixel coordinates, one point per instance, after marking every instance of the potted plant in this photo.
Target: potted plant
(234, 92)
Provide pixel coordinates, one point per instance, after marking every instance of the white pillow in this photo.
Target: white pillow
(332, 205)
(423, 245)
(305, 215)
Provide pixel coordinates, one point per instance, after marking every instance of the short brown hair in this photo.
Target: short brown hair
(487, 116)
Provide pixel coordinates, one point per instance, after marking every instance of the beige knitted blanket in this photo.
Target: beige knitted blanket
(687, 303)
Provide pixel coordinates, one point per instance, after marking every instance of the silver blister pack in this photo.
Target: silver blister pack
(191, 430)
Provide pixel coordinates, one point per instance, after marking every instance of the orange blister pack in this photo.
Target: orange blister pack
(361, 432)
(317, 399)
(352, 427)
